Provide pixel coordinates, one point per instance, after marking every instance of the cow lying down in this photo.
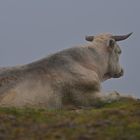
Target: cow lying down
(71, 77)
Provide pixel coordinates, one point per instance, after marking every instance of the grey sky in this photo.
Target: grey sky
(32, 29)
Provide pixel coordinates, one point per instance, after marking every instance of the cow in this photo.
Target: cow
(71, 77)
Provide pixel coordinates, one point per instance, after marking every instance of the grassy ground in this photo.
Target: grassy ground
(113, 121)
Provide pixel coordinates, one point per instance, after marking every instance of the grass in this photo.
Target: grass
(119, 120)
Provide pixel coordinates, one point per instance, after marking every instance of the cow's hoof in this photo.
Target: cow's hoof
(113, 96)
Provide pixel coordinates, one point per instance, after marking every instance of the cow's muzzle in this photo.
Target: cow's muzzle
(118, 75)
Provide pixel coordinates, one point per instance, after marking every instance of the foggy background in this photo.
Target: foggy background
(32, 29)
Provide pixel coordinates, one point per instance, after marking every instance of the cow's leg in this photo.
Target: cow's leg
(115, 96)
(83, 99)
(96, 99)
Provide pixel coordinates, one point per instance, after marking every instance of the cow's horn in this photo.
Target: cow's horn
(89, 38)
(121, 37)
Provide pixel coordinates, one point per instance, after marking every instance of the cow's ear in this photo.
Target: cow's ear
(89, 38)
(111, 43)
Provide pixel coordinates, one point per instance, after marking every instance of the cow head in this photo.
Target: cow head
(109, 49)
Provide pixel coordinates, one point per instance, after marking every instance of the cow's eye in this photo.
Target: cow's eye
(119, 52)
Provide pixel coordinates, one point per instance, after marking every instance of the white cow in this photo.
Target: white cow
(70, 77)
